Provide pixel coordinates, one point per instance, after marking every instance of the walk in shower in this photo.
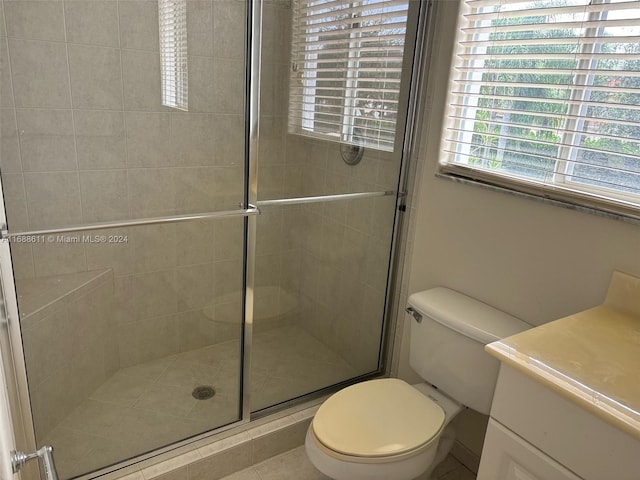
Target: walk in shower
(201, 199)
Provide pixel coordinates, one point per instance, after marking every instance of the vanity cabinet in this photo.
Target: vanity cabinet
(535, 433)
(506, 456)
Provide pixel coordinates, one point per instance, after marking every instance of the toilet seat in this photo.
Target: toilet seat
(377, 421)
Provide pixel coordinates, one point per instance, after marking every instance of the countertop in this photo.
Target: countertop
(591, 358)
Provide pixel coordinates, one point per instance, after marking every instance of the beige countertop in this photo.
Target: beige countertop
(592, 357)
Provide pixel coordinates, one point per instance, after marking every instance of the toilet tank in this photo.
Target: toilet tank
(447, 345)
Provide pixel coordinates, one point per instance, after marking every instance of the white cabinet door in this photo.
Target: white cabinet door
(506, 456)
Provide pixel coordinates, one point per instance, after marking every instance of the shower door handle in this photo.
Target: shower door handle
(18, 459)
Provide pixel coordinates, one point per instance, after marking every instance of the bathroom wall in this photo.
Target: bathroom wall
(536, 261)
(84, 138)
(69, 339)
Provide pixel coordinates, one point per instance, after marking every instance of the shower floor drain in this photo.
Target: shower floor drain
(203, 392)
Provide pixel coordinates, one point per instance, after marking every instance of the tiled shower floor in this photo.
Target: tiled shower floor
(149, 405)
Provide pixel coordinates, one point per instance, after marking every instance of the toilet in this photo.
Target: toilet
(388, 429)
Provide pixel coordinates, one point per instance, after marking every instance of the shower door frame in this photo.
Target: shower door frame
(14, 361)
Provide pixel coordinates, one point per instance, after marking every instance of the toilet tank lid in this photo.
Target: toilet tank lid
(466, 315)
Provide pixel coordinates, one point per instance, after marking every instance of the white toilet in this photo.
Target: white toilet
(387, 429)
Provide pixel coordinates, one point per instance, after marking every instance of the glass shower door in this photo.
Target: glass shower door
(130, 115)
(334, 89)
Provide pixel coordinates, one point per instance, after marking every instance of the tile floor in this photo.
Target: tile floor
(150, 405)
(294, 465)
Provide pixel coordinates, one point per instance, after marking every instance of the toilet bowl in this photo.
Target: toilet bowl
(380, 429)
(387, 429)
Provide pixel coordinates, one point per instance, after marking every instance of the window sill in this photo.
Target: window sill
(549, 201)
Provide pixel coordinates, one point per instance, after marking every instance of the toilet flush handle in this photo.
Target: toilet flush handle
(416, 315)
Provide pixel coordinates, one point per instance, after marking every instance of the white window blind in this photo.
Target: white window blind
(346, 71)
(545, 98)
(172, 16)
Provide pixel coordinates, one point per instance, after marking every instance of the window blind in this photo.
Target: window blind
(544, 97)
(172, 17)
(346, 70)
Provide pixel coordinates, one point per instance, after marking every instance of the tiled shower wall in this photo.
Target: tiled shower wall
(67, 356)
(84, 138)
(344, 248)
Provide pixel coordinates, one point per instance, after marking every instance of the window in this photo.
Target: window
(346, 70)
(545, 98)
(172, 16)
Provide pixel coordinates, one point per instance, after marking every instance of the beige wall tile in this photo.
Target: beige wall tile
(116, 255)
(22, 258)
(228, 81)
(96, 77)
(49, 403)
(100, 139)
(193, 189)
(192, 139)
(15, 201)
(227, 186)
(55, 258)
(200, 28)
(271, 181)
(360, 215)
(293, 181)
(229, 29)
(272, 140)
(201, 83)
(141, 74)
(227, 281)
(154, 247)
(267, 270)
(124, 309)
(269, 231)
(273, 89)
(53, 199)
(48, 89)
(148, 139)
(6, 88)
(92, 22)
(151, 191)
(195, 330)
(194, 285)
(228, 132)
(139, 24)
(104, 195)
(228, 321)
(49, 346)
(154, 294)
(46, 140)
(228, 240)
(3, 30)
(388, 173)
(9, 149)
(277, 37)
(146, 340)
(195, 242)
(36, 20)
